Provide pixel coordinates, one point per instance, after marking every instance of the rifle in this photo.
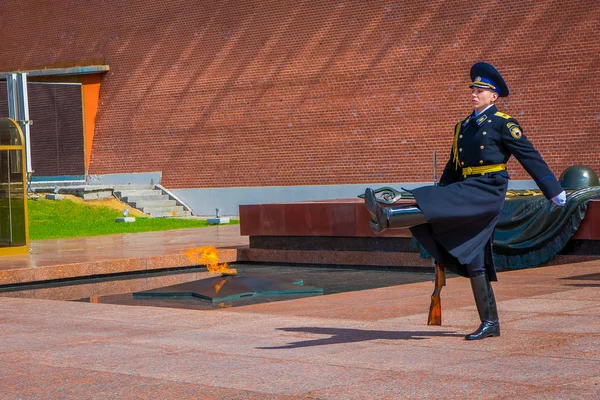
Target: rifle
(435, 308)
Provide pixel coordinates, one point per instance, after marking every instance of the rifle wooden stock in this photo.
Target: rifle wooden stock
(435, 309)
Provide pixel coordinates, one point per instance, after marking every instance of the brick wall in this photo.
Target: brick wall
(245, 93)
(57, 132)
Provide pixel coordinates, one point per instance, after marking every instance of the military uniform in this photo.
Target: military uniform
(463, 211)
(455, 220)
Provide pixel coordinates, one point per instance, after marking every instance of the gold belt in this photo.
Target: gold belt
(484, 169)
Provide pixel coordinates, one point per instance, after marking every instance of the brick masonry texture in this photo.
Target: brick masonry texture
(57, 132)
(249, 93)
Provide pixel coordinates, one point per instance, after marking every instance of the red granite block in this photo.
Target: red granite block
(590, 226)
(343, 219)
(70, 292)
(394, 259)
(319, 221)
(24, 294)
(121, 286)
(61, 271)
(250, 222)
(362, 217)
(122, 265)
(228, 255)
(16, 275)
(294, 219)
(168, 261)
(272, 217)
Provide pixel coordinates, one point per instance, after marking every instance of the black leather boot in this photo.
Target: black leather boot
(486, 306)
(391, 217)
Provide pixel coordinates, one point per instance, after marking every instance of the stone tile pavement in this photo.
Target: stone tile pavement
(371, 344)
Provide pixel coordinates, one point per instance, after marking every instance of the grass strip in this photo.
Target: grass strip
(49, 219)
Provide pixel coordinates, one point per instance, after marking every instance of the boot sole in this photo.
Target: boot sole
(482, 337)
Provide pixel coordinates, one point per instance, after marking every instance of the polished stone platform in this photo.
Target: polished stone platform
(347, 218)
(338, 218)
(116, 254)
(338, 232)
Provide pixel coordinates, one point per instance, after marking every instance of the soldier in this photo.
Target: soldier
(455, 221)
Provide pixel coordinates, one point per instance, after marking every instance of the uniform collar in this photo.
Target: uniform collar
(480, 118)
(476, 114)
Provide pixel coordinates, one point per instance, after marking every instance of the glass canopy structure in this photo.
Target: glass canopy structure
(14, 229)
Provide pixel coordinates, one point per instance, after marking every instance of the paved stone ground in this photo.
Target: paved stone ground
(371, 344)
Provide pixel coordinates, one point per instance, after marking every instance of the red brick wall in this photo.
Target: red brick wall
(245, 93)
(57, 132)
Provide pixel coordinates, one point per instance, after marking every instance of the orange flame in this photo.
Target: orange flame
(209, 256)
(219, 285)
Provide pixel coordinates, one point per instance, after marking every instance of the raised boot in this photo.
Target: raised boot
(486, 307)
(391, 217)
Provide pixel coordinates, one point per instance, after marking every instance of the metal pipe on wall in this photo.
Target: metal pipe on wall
(18, 109)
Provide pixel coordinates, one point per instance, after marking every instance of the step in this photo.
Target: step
(152, 203)
(142, 192)
(125, 188)
(154, 197)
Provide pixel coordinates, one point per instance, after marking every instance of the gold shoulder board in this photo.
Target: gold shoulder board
(501, 114)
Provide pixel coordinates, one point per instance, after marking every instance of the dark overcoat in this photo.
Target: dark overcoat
(462, 211)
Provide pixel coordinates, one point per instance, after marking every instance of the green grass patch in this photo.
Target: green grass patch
(50, 219)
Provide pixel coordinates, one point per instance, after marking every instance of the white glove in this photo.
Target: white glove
(560, 199)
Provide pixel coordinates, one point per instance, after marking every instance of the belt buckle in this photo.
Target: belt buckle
(467, 171)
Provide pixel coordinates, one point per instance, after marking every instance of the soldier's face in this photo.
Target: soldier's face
(481, 98)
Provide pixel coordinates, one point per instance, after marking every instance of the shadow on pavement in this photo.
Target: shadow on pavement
(587, 277)
(341, 335)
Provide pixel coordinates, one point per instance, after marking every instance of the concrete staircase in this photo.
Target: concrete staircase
(154, 202)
